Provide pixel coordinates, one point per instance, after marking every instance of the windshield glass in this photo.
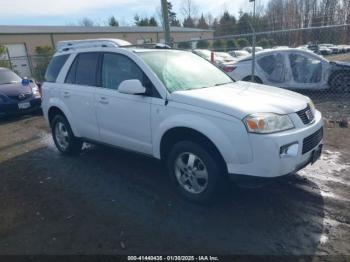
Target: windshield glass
(8, 77)
(180, 70)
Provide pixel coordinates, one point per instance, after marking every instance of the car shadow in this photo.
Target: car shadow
(108, 201)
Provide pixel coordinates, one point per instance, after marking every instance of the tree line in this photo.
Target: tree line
(273, 16)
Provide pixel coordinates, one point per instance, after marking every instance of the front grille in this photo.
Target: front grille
(313, 140)
(306, 115)
(21, 97)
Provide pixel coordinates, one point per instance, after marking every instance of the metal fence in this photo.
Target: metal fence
(27, 66)
(312, 61)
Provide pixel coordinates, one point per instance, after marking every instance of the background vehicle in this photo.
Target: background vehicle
(221, 59)
(175, 106)
(238, 54)
(293, 68)
(249, 49)
(17, 95)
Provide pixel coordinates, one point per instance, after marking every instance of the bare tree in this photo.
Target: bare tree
(188, 9)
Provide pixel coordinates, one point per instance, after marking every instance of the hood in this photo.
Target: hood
(15, 89)
(243, 98)
(341, 63)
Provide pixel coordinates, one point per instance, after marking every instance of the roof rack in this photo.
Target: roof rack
(89, 43)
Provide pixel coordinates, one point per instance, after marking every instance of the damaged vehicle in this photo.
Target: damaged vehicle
(293, 68)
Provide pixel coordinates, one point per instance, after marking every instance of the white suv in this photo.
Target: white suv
(175, 106)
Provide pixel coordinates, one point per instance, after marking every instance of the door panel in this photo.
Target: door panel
(78, 93)
(80, 101)
(307, 71)
(123, 119)
(274, 70)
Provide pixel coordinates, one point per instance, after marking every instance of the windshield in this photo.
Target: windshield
(8, 77)
(180, 70)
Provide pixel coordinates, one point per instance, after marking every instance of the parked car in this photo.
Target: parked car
(294, 68)
(249, 49)
(335, 49)
(177, 107)
(17, 95)
(238, 54)
(221, 59)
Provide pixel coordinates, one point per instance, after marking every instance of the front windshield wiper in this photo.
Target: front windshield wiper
(223, 84)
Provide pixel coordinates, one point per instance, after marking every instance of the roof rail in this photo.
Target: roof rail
(89, 43)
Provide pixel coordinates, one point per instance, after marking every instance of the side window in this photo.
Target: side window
(83, 70)
(117, 68)
(274, 66)
(55, 67)
(305, 69)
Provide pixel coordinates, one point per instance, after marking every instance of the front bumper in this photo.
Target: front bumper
(12, 108)
(267, 159)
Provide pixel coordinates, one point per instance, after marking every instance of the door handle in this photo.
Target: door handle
(66, 94)
(103, 100)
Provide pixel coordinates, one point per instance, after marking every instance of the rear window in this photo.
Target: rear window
(54, 67)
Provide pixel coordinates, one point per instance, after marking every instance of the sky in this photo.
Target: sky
(68, 12)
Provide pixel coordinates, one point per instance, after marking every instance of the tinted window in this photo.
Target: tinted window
(86, 69)
(117, 68)
(54, 67)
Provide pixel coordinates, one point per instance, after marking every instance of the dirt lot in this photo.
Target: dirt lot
(111, 202)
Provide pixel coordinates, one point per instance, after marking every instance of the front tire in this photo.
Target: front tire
(197, 172)
(63, 136)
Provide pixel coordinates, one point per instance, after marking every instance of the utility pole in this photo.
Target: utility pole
(254, 44)
(166, 26)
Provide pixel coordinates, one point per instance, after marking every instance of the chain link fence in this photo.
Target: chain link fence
(27, 66)
(311, 61)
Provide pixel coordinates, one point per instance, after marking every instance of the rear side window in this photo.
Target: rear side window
(84, 70)
(55, 67)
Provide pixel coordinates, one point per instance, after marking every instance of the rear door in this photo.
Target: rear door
(307, 71)
(77, 93)
(274, 70)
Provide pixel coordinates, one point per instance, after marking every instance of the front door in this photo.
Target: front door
(123, 119)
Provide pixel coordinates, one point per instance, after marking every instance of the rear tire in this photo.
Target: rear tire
(64, 138)
(197, 172)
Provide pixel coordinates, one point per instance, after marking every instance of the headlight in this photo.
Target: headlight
(312, 106)
(35, 91)
(265, 123)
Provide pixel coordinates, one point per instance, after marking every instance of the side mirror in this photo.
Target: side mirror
(132, 87)
(25, 81)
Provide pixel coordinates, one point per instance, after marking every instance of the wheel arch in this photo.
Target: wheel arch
(177, 134)
(56, 108)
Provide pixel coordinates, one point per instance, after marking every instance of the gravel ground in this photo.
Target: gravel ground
(111, 202)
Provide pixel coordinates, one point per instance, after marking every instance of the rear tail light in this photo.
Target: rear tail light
(229, 69)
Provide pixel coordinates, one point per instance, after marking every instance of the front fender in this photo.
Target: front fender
(227, 136)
